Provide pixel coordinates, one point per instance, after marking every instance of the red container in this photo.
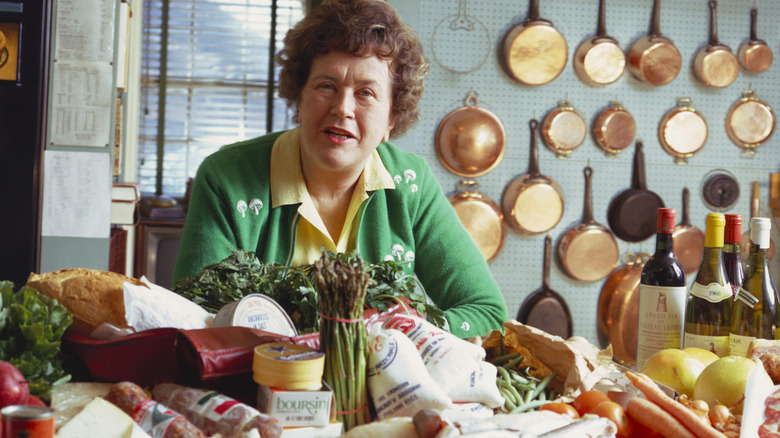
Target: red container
(24, 421)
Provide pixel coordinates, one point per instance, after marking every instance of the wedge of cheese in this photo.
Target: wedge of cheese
(98, 418)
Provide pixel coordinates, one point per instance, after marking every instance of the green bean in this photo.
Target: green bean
(511, 364)
(546, 381)
(498, 360)
(528, 406)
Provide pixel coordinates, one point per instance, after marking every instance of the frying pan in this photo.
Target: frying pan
(688, 240)
(599, 60)
(534, 52)
(654, 59)
(632, 213)
(715, 64)
(470, 141)
(755, 209)
(754, 55)
(481, 217)
(614, 129)
(544, 308)
(588, 251)
(618, 308)
(532, 203)
(460, 42)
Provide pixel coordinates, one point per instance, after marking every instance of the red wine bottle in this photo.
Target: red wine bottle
(732, 251)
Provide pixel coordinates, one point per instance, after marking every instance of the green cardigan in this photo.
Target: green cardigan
(230, 208)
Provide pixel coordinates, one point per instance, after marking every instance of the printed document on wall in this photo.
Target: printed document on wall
(76, 194)
(85, 30)
(81, 103)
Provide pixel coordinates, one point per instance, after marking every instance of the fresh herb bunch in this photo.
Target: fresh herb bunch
(242, 273)
(342, 282)
(31, 329)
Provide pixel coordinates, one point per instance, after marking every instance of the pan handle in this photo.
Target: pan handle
(546, 262)
(601, 26)
(655, 20)
(753, 26)
(686, 201)
(533, 11)
(639, 182)
(587, 210)
(714, 23)
(533, 159)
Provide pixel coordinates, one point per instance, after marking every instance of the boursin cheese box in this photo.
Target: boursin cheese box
(298, 408)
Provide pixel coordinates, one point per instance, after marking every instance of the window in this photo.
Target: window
(214, 77)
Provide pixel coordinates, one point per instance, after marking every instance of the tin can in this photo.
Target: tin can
(22, 421)
(258, 312)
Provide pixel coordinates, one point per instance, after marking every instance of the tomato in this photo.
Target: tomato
(588, 400)
(617, 414)
(561, 408)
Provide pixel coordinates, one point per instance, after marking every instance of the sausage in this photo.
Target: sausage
(215, 413)
(154, 418)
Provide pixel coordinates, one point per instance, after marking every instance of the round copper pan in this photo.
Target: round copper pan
(481, 217)
(534, 52)
(750, 122)
(654, 59)
(613, 129)
(755, 209)
(715, 64)
(532, 203)
(618, 307)
(588, 251)
(563, 130)
(754, 55)
(682, 131)
(599, 60)
(470, 140)
(688, 240)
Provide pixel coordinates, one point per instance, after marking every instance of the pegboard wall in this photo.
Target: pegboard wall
(518, 268)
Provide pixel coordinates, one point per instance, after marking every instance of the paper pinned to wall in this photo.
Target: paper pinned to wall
(85, 30)
(76, 194)
(81, 103)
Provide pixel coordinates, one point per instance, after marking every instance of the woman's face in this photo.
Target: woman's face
(345, 111)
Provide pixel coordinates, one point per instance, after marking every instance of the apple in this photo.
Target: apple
(34, 401)
(723, 381)
(13, 386)
(678, 369)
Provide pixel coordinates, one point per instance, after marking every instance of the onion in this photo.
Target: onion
(719, 416)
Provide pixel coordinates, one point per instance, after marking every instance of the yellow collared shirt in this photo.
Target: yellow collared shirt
(288, 187)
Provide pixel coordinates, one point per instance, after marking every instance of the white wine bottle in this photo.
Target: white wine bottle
(708, 310)
(755, 308)
(661, 294)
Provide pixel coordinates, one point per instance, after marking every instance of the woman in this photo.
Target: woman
(354, 72)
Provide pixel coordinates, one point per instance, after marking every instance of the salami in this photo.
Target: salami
(215, 413)
(154, 418)
(772, 406)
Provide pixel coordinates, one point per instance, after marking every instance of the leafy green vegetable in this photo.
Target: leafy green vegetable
(242, 273)
(31, 329)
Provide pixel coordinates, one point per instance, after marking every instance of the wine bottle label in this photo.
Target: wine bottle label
(712, 292)
(747, 298)
(716, 344)
(738, 345)
(661, 317)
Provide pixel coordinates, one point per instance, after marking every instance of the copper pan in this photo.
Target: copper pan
(481, 217)
(750, 122)
(755, 211)
(754, 55)
(534, 52)
(715, 64)
(618, 308)
(588, 251)
(613, 129)
(687, 239)
(654, 59)
(682, 131)
(532, 203)
(563, 129)
(599, 60)
(470, 141)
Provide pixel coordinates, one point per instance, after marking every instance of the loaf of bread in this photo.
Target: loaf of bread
(92, 296)
(768, 352)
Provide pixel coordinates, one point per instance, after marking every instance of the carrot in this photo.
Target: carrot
(687, 417)
(651, 415)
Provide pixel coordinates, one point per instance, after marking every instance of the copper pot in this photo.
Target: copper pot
(599, 60)
(715, 64)
(532, 203)
(614, 129)
(654, 59)
(534, 52)
(750, 122)
(481, 217)
(588, 251)
(682, 131)
(563, 130)
(754, 55)
(470, 140)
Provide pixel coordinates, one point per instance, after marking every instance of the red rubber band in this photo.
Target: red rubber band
(353, 411)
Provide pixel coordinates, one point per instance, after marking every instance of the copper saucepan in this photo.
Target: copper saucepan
(534, 52)
(687, 239)
(654, 59)
(588, 251)
(470, 140)
(715, 64)
(750, 122)
(599, 60)
(532, 203)
(481, 217)
(563, 129)
(682, 131)
(754, 55)
(613, 129)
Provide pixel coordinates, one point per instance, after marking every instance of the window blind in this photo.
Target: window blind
(215, 80)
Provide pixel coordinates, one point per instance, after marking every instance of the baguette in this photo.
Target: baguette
(92, 296)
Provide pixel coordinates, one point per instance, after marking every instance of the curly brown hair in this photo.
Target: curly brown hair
(359, 27)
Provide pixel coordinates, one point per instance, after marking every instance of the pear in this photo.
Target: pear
(678, 369)
(723, 381)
